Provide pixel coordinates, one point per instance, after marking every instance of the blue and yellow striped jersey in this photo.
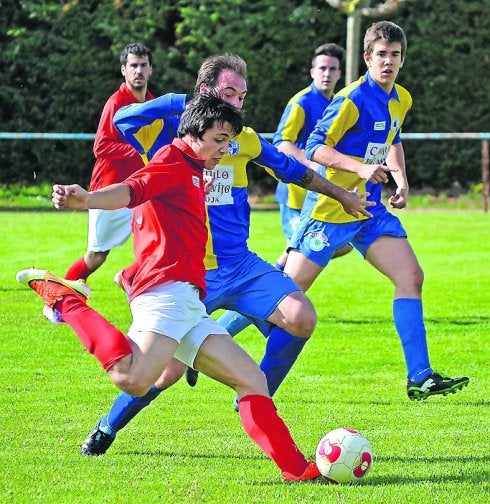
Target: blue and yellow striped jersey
(362, 121)
(147, 126)
(298, 120)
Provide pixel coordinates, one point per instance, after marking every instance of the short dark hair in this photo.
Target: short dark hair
(211, 68)
(137, 49)
(385, 30)
(329, 49)
(204, 110)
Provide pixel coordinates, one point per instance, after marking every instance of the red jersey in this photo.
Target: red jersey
(115, 158)
(169, 223)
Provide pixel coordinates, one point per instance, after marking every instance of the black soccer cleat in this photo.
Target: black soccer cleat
(435, 383)
(97, 442)
(191, 376)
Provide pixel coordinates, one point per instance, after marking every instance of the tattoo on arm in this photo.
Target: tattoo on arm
(306, 179)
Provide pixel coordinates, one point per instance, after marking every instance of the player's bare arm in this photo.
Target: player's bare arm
(75, 197)
(328, 156)
(352, 203)
(291, 149)
(396, 159)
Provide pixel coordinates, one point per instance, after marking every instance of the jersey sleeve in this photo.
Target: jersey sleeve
(140, 123)
(108, 143)
(290, 125)
(283, 167)
(338, 117)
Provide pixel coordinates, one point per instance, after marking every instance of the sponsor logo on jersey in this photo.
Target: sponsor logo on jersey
(379, 126)
(376, 153)
(195, 180)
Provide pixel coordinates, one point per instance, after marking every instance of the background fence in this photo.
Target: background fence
(483, 137)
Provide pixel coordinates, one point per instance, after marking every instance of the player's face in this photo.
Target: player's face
(213, 145)
(325, 74)
(384, 63)
(136, 71)
(232, 87)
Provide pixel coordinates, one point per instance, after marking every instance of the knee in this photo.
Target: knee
(303, 323)
(131, 386)
(252, 383)
(417, 279)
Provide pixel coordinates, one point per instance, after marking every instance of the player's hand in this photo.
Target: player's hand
(355, 204)
(69, 196)
(399, 199)
(208, 183)
(375, 173)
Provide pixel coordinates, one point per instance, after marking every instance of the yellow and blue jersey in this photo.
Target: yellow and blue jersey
(149, 128)
(227, 204)
(298, 120)
(362, 121)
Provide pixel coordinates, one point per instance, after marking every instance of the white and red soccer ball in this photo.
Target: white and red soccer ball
(344, 455)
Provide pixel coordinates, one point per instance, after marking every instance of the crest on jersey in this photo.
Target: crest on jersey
(233, 147)
(396, 124)
(317, 241)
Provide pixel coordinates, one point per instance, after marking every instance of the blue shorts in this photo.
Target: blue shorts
(289, 220)
(319, 240)
(250, 286)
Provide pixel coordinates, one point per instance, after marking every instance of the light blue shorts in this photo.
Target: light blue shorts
(318, 240)
(289, 220)
(250, 286)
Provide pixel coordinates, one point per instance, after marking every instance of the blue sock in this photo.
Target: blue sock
(409, 323)
(281, 351)
(125, 408)
(233, 322)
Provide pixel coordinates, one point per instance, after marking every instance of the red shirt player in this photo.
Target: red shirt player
(115, 161)
(168, 317)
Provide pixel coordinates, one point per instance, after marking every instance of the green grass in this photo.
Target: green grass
(189, 446)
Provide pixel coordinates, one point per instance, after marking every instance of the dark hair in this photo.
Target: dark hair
(385, 30)
(137, 49)
(211, 68)
(204, 110)
(329, 49)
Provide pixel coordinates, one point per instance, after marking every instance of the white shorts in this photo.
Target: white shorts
(173, 309)
(108, 228)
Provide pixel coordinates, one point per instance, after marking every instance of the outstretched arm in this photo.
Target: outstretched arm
(351, 202)
(75, 197)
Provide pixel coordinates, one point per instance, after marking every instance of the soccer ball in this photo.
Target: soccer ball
(344, 455)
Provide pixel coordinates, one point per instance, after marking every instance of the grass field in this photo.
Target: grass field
(189, 446)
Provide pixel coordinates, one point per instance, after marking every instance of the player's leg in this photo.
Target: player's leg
(233, 322)
(301, 269)
(223, 360)
(167, 314)
(132, 364)
(393, 256)
(124, 408)
(294, 320)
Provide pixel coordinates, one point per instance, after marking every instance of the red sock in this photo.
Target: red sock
(78, 270)
(262, 423)
(98, 336)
